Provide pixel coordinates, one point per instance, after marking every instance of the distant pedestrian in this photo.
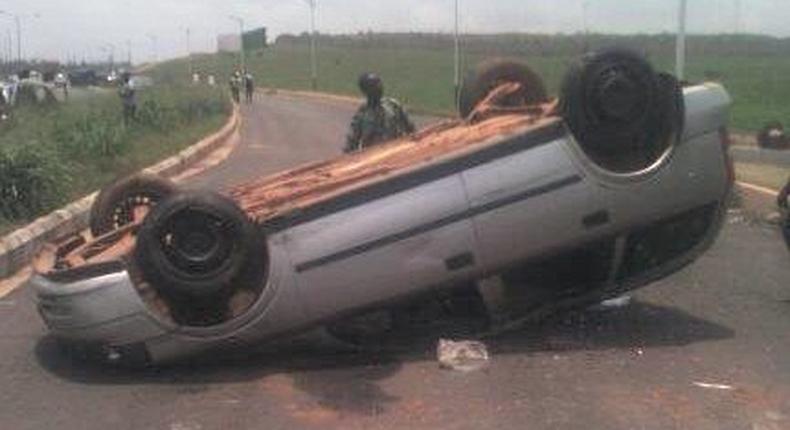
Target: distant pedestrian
(235, 86)
(379, 120)
(249, 86)
(128, 95)
(784, 207)
(4, 106)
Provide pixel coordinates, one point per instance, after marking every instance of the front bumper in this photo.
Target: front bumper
(104, 309)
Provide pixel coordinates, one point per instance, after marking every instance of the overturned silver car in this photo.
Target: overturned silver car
(622, 181)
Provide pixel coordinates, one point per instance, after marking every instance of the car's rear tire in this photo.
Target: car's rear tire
(117, 204)
(197, 249)
(490, 74)
(623, 114)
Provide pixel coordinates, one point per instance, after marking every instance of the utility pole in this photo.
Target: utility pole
(586, 23)
(129, 52)
(313, 48)
(680, 55)
(189, 52)
(457, 55)
(242, 59)
(18, 21)
(9, 48)
(738, 22)
(18, 39)
(154, 47)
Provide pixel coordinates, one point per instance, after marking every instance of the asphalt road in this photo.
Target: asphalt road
(723, 321)
(779, 158)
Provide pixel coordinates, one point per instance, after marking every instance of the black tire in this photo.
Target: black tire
(622, 113)
(490, 74)
(115, 204)
(198, 248)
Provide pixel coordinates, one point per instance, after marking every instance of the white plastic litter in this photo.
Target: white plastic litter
(714, 386)
(616, 303)
(463, 356)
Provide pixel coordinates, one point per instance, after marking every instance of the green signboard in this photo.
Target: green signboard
(255, 40)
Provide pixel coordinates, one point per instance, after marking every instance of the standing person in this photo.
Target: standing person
(3, 105)
(235, 86)
(784, 208)
(249, 86)
(379, 120)
(128, 95)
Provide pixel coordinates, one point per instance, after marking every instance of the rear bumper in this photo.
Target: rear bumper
(105, 309)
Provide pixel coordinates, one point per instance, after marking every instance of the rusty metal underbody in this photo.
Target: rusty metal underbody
(300, 188)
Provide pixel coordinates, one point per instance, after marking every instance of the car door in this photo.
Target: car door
(392, 245)
(527, 203)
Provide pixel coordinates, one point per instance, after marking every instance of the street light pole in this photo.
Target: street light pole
(18, 22)
(18, 39)
(242, 59)
(680, 54)
(154, 46)
(738, 23)
(457, 55)
(313, 49)
(189, 51)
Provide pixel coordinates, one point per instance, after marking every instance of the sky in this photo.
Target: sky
(61, 29)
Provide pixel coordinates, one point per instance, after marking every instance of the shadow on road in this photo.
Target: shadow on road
(347, 382)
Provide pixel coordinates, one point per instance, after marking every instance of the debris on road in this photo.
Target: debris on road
(736, 216)
(463, 356)
(713, 386)
(616, 303)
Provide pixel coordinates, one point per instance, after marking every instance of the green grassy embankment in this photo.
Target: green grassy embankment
(50, 156)
(422, 77)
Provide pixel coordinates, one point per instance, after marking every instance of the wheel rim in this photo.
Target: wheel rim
(197, 243)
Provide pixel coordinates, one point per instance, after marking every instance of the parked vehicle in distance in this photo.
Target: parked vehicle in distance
(60, 80)
(85, 77)
(622, 181)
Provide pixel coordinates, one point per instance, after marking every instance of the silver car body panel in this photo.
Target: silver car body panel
(460, 226)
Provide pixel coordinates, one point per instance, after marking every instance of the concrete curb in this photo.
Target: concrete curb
(18, 248)
(758, 188)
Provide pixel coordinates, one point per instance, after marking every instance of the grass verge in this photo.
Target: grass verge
(423, 78)
(51, 156)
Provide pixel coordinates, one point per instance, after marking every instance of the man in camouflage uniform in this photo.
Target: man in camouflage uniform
(379, 120)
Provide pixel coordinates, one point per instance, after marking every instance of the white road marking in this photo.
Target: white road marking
(758, 188)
